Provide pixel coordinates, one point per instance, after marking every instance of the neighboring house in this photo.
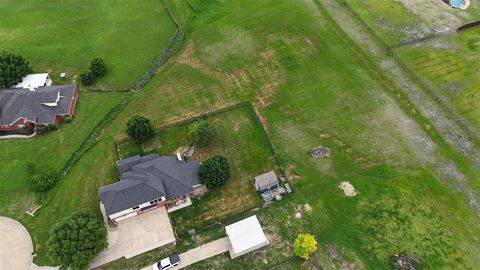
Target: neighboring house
(147, 183)
(266, 181)
(245, 235)
(34, 107)
(32, 81)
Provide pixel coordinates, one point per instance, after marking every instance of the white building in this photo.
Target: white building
(32, 81)
(245, 236)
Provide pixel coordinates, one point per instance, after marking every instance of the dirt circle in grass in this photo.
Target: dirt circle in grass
(348, 189)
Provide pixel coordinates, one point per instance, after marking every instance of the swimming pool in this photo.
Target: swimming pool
(457, 3)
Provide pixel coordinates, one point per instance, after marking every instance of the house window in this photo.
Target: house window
(136, 207)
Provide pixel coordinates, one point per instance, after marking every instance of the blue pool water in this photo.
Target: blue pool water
(457, 3)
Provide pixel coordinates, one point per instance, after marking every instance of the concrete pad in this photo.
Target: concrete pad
(201, 253)
(15, 245)
(16, 248)
(137, 235)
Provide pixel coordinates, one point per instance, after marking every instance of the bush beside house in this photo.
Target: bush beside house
(214, 171)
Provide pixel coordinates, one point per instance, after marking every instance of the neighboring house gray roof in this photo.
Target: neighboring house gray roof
(23, 103)
(266, 180)
(146, 178)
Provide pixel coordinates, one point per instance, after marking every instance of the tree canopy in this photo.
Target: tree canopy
(76, 241)
(98, 67)
(214, 171)
(304, 245)
(140, 129)
(13, 68)
(201, 132)
(42, 179)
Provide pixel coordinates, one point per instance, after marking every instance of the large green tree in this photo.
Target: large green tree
(202, 133)
(98, 67)
(140, 129)
(13, 68)
(76, 241)
(214, 171)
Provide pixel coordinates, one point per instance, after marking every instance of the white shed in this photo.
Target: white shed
(245, 236)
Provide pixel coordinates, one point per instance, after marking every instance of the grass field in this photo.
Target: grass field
(450, 65)
(49, 151)
(64, 36)
(394, 23)
(313, 86)
(241, 140)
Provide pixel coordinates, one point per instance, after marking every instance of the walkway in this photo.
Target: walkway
(18, 136)
(16, 248)
(201, 253)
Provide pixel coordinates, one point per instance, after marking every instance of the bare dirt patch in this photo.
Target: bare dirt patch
(348, 189)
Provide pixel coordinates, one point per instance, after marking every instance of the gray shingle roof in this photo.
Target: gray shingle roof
(266, 180)
(146, 178)
(16, 103)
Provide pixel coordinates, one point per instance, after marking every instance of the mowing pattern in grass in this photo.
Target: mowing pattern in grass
(51, 150)
(242, 141)
(315, 87)
(65, 36)
(450, 65)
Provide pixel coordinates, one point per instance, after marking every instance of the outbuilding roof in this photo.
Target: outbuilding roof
(245, 235)
(266, 180)
(40, 106)
(146, 178)
(34, 81)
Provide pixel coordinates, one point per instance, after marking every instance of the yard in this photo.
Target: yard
(395, 22)
(449, 65)
(50, 151)
(313, 86)
(84, 30)
(242, 141)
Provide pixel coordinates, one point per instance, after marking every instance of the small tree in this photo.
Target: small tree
(13, 68)
(42, 179)
(304, 245)
(201, 133)
(214, 171)
(77, 240)
(87, 78)
(98, 67)
(140, 129)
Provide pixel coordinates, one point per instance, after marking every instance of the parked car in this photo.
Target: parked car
(167, 263)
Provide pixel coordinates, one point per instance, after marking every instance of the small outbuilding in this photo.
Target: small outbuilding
(266, 181)
(245, 236)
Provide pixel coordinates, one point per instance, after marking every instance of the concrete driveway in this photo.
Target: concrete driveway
(137, 235)
(16, 246)
(201, 253)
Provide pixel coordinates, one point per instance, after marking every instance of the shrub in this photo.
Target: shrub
(98, 67)
(51, 128)
(214, 171)
(76, 241)
(68, 119)
(87, 78)
(13, 68)
(304, 245)
(396, 225)
(42, 179)
(140, 129)
(201, 133)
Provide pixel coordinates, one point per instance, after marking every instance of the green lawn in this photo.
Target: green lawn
(313, 86)
(49, 151)
(64, 36)
(240, 138)
(450, 66)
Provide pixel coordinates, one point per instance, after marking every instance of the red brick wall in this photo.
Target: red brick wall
(74, 101)
(14, 126)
